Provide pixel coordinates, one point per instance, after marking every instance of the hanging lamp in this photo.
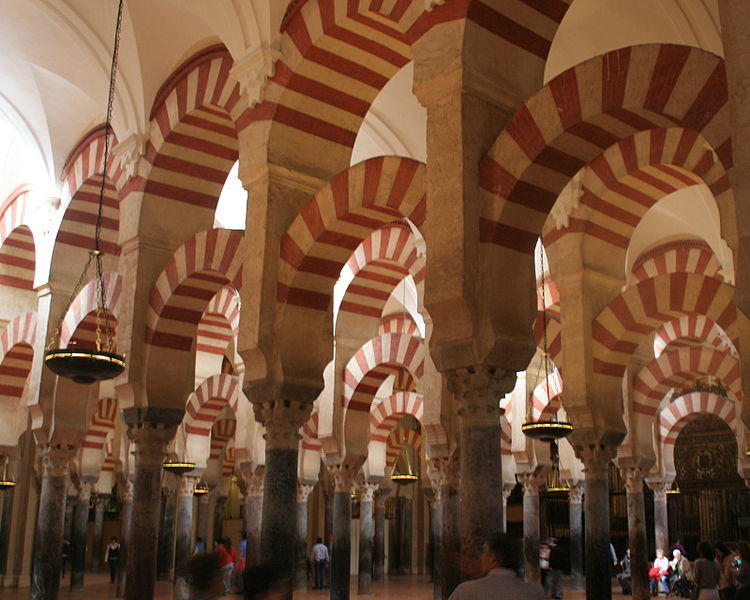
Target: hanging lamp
(555, 485)
(407, 475)
(178, 467)
(201, 489)
(674, 489)
(6, 482)
(80, 365)
(549, 429)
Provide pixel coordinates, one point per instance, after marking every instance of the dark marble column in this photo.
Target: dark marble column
(126, 517)
(328, 517)
(96, 548)
(531, 483)
(183, 535)
(575, 510)
(596, 461)
(150, 437)
(477, 390)
(507, 490)
(8, 495)
(405, 506)
(342, 531)
(48, 537)
(70, 507)
(436, 524)
(219, 516)
(202, 520)
(378, 548)
(364, 580)
(443, 473)
(79, 535)
(166, 535)
(661, 514)
(300, 546)
(639, 564)
(253, 512)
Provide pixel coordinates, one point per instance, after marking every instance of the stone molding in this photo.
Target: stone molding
(596, 459)
(633, 477)
(659, 487)
(282, 420)
(252, 72)
(303, 492)
(478, 391)
(150, 440)
(366, 490)
(254, 482)
(127, 154)
(186, 486)
(532, 481)
(55, 459)
(443, 473)
(575, 495)
(343, 476)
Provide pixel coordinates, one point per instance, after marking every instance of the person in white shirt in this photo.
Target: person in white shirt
(320, 559)
(501, 558)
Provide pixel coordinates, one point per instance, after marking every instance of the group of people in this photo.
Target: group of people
(231, 561)
(719, 573)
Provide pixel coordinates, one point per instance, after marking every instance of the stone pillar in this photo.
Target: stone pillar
(507, 490)
(253, 512)
(283, 420)
(404, 507)
(328, 517)
(378, 546)
(478, 390)
(341, 547)
(166, 535)
(661, 514)
(183, 535)
(126, 518)
(443, 473)
(576, 535)
(300, 548)
(364, 580)
(96, 548)
(202, 528)
(596, 461)
(48, 537)
(531, 483)
(8, 495)
(79, 535)
(70, 506)
(218, 516)
(150, 439)
(639, 563)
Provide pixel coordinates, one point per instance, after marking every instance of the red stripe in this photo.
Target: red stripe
(507, 29)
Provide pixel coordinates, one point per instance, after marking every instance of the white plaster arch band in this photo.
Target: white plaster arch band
(674, 416)
(641, 309)
(199, 268)
(222, 431)
(230, 462)
(587, 109)
(690, 256)
(86, 162)
(398, 439)
(391, 349)
(546, 396)
(86, 303)
(356, 202)
(398, 324)
(109, 460)
(310, 439)
(692, 330)
(388, 411)
(17, 245)
(208, 400)
(219, 323)
(102, 424)
(679, 368)
(17, 343)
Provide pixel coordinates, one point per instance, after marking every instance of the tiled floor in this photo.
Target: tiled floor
(97, 587)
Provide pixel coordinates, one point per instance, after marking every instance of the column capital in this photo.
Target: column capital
(532, 481)
(186, 486)
(659, 487)
(254, 481)
(101, 500)
(478, 391)
(282, 420)
(381, 495)
(56, 458)
(303, 491)
(343, 476)
(443, 471)
(596, 459)
(507, 491)
(84, 491)
(367, 490)
(150, 440)
(576, 493)
(633, 477)
(127, 490)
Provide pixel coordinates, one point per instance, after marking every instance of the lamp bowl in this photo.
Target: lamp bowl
(84, 366)
(6, 484)
(177, 467)
(404, 478)
(547, 431)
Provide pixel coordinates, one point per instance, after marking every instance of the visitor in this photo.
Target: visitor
(556, 566)
(501, 559)
(265, 582)
(319, 558)
(112, 558)
(678, 546)
(227, 558)
(200, 546)
(241, 563)
(65, 556)
(658, 573)
(681, 574)
(727, 570)
(625, 575)
(205, 576)
(743, 571)
(544, 570)
(706, 573)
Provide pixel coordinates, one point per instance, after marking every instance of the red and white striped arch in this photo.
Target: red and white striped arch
(208, 400)
(586, 110)
(86, 162)
(641, 309)
(192, 142)
(17, 342)
(680, 368)
(554, 334)
(674, 416)
(230, 462)
(385, 414)
(545, 400)
(222, 431)
(82, 312)
(398, 324)
(196, 272)
(109, 459)
(310, 439)
(102, 424)
(339, 218)
(393, 351)
(689, 256)
(692, 330)
(17, 247)
(398, 439)
(220, 321)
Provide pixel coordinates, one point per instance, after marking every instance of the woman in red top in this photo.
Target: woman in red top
(227, 557)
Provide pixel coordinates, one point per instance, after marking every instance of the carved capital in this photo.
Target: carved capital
(282, 419)
(367, 490)
(343, 476)
(596, 459)
(55, 459)
(254, 482)
(253, 71)
(443, 473)
(186, 486)
(127, 491)
(478, 391)
(633, 477)
(101, 501)
(507, 491)
(150, 441)
(381, 495)
(84, 491)
(127, 154)
(659, 488)
(303, 492)
(576, 493)
(532, 481)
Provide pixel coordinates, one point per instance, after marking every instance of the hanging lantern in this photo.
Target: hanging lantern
(555, 485)
(406, 475)
(549, 429)
(177, 467)
(82, 365)
(674, 489)
(201, 489)
(6, 482)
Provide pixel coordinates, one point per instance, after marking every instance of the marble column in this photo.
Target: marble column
(328, 516)
(596, 461)
(48, 537)
(253, 512)
(79, 535)
(342, 531)
(576, 535)
(183, 535)
(639, 563)
(477, 390)
(202, 524)
(378, 546)
(661, 514)
(507, 491)
(70, 506)
(300, 546)
(166, 535)
(149, 441)
(8, 495)
(364, 579)
(282, 420)
(531, 482)
(97, 545)
(221, 502)
(443, 473)
(126, 518)
(405, 506)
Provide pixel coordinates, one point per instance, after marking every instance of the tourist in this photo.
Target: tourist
(556, 566)
(112, 558)
(200, 546)
(205, 576)
(681, 574)
(659, 572)
(241, 563)
(743, 571)
(624, 577)
(227, 558)
(706, 573)
(319, 558)
(727, 571)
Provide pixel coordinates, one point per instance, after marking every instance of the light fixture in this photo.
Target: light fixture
(674, 489)
(555, 485)
(6, 482)
(82, 365)
(201, 489)
(403, 476)
(549, 429)
(178, 467)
